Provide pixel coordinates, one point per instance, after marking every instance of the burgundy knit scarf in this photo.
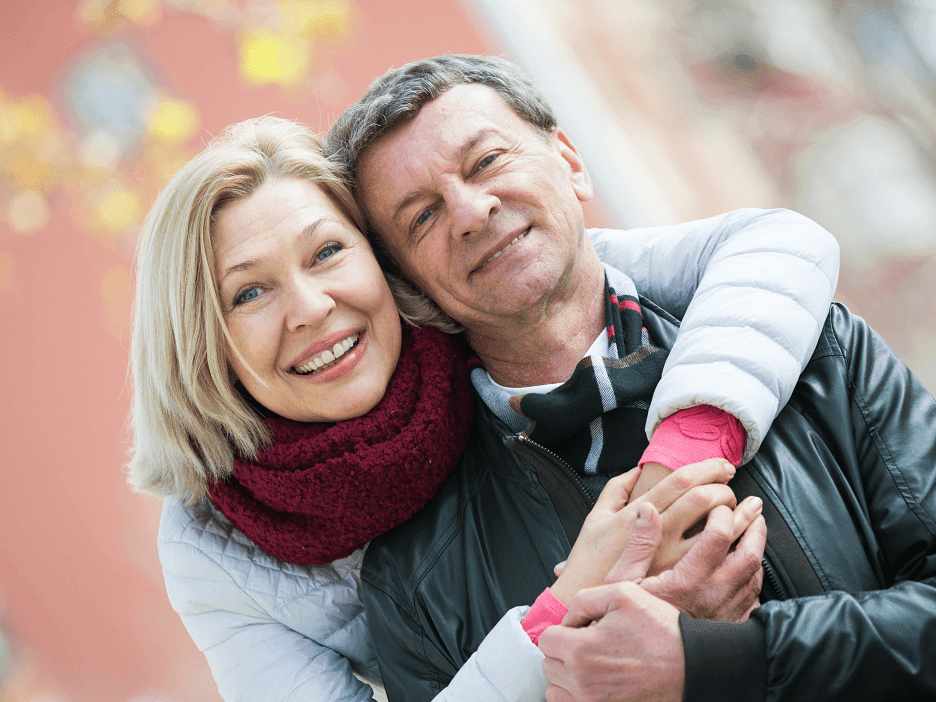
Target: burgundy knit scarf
(320, 491)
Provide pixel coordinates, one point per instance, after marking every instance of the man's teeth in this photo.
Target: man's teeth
(516, 239)
(328, 357)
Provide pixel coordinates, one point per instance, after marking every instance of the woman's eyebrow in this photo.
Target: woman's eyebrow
(307, 231)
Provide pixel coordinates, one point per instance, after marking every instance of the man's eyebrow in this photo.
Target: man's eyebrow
(253, 262)
(459, 156)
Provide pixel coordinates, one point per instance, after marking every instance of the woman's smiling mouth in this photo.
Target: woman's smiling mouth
(329, 357)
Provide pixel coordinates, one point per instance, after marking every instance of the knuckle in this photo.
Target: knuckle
(749, 562)
(720, 534)
(683, 479)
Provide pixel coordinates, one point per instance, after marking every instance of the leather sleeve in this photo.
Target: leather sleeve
(872, 645)
(507, 667)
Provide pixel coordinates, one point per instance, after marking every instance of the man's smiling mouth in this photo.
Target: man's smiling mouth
(329, 357)
(515, 240)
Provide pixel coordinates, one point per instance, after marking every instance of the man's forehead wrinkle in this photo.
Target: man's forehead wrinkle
(474, 140)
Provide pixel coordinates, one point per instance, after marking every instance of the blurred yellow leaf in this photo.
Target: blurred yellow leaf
(118, 209)
(271, 58)
(317, 18)
(141, 12)
(33, 115)
(173, 120)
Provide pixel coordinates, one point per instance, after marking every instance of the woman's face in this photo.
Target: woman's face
(305, 303)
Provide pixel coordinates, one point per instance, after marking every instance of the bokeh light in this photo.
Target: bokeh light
(267, 58)
(173, 120)
(28, 211)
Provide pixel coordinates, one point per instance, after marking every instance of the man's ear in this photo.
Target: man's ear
(581, 182)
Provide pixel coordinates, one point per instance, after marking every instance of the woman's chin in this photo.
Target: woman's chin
(353, 401)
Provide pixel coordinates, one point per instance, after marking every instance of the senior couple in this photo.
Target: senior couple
(291, 421)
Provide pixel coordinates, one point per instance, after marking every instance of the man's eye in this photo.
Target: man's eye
(328, 251)
(247, 295)
(487, 161)
(423, 217)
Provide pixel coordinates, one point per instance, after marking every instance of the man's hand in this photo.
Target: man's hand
(617, 642)
(711, 581)
(683, 498)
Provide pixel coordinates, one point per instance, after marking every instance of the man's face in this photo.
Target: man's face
(480, 210)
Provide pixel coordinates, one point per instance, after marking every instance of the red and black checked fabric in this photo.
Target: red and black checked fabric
(595, 420)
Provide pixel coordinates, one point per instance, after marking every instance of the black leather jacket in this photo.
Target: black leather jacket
(850, 464)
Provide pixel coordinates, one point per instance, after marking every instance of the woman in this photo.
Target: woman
(285, 413)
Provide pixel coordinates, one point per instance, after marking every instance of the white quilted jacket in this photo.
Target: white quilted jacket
(759, 282)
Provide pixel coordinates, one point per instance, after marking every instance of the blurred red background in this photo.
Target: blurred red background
(681, 109)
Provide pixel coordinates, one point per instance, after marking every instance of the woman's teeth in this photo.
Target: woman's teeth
(516, 239)
(328, 357)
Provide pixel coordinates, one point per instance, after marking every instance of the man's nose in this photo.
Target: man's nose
(471, 207)
(308, 302)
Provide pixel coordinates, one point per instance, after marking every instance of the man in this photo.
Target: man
(477, 200)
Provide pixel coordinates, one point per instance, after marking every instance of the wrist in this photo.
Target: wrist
(565, 587)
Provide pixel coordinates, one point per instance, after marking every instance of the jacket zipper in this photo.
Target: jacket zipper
(571, 474)
(771, 575)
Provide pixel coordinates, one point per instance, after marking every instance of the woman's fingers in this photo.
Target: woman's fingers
(695, 505)
(616, 493)
(682, 481)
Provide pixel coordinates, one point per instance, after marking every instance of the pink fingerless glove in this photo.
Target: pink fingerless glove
(547, 611)
(695, 434)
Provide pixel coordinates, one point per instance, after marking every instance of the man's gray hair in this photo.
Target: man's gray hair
(393, 100)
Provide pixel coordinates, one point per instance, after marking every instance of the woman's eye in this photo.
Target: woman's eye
(423, 217)
(247, 295)
(329, 251)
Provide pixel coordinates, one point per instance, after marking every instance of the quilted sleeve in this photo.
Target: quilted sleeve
(230, 608)
(752, 288)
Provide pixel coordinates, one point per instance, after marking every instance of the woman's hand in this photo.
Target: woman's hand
(650, 474)
(682, 498)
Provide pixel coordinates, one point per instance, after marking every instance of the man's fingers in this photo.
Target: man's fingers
(616, 493)
(674, 486)
(745, 514)
(558, 568)
(558, 694)
(754, 539)
(641, 547)
(593, 603)
(709, 548)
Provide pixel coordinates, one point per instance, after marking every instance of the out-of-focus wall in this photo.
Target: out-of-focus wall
(682, 110)
(687, 108)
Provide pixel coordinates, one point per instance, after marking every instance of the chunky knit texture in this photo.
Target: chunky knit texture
(320, 491)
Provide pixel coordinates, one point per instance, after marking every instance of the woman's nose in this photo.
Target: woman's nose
(308, 303)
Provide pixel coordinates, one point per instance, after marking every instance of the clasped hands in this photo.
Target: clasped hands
(632, 570)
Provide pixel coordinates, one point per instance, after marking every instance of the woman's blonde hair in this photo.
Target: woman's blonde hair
(188, 418)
